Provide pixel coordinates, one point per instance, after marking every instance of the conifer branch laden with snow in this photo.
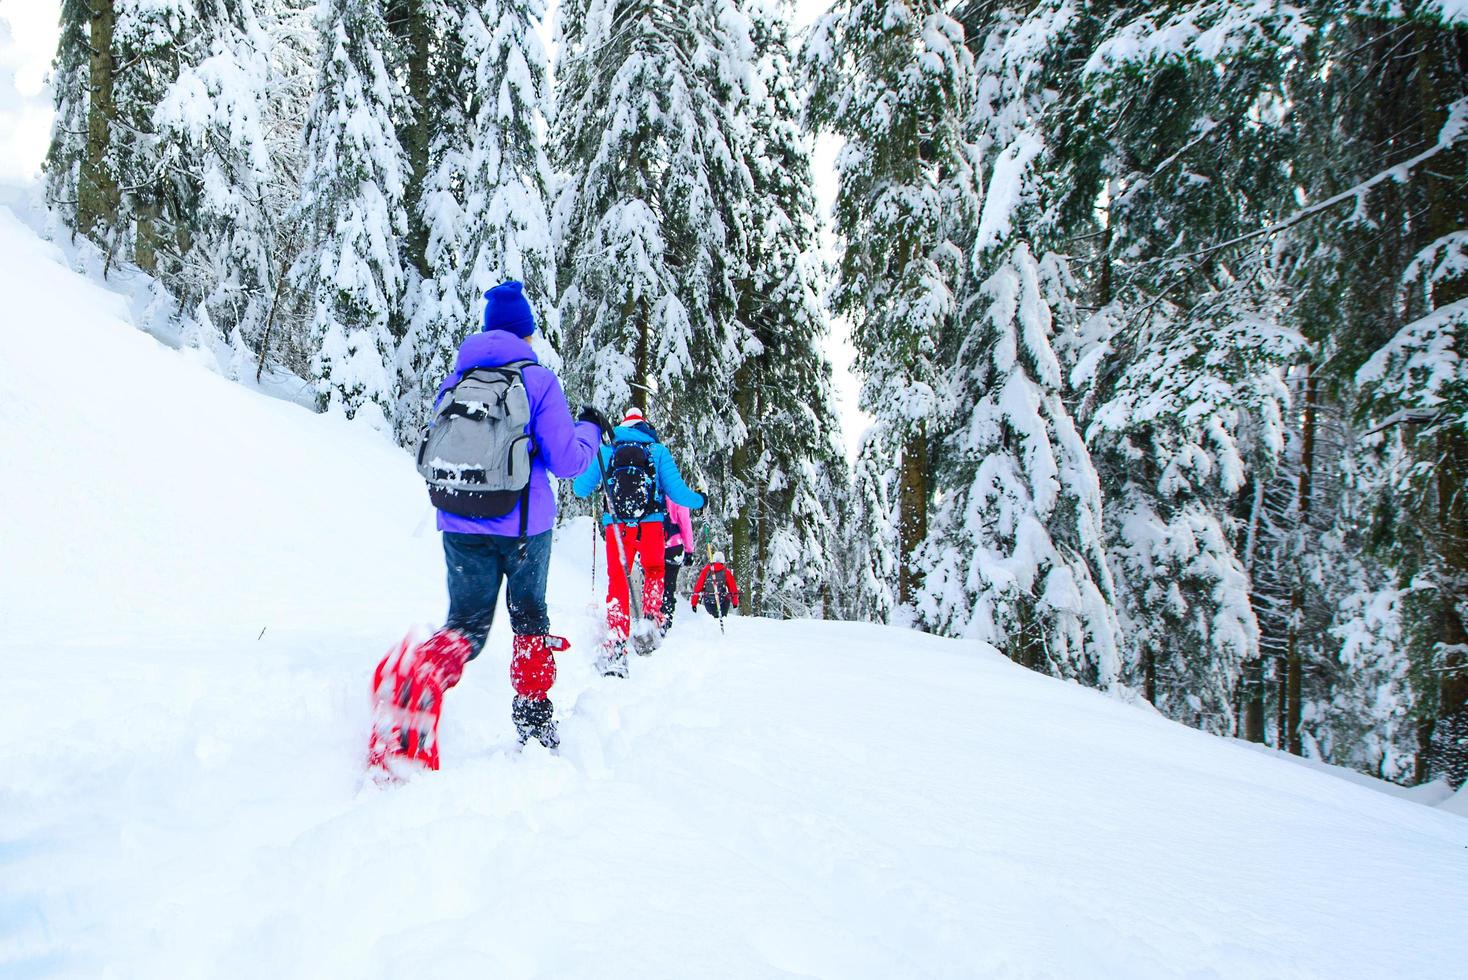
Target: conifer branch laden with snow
(650, 222)
(1016, 557)
(481, 212)
(352, 211)
(893, 80)
(787, 474)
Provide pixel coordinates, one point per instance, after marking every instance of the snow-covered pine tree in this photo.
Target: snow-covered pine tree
(833, 494)
(867, 557)
(70, 81)
(97, 205)
(1016, 554)
(1416, 387)
(1378, 277)
(1367, 717)
(1330, 615)
(212, 139)
(189, 164)
(423, 31)
(290, 33)
(151, 47)
(482, 210)
(110, 69)
(435, 134)
(892, 78)
(1195, 408)
(351, 207)
(1369, 723)
(1013, 554)
(646, 253)
(783, 535)
(1195, 160)
(508, 182)
(1304, 552)
(1175, 370)
(1287, 529)
(178, 69)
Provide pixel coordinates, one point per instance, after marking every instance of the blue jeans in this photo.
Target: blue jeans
(477, 563)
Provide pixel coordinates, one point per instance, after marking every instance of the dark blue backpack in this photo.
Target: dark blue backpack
(632, 482)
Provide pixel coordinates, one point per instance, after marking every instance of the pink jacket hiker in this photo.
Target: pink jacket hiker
(682, 535)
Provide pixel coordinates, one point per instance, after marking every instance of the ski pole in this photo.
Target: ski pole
(719, 600)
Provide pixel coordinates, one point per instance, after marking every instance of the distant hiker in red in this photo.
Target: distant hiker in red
(716, 594)
(500, 428)
(637, 474)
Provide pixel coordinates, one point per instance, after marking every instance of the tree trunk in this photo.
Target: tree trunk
(1421, 772)
(1281, 702)
(146, 238)
(417, 40)
(1294, 677)
(1251, 678)
(1289, 736)
(636, 310)
(1104, 288)
(743, 458)
(761, 599)
(912, 512)
(1251, 725)
(97, 195)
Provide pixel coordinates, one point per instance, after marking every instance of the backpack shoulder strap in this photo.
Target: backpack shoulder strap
(514, 369)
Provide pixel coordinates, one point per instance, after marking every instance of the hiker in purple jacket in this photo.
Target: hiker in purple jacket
(482, 552)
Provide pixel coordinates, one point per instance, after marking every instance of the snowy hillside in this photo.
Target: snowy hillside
(196, 580)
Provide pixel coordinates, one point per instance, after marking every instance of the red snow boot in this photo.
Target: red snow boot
(407, 692)
(532, 672)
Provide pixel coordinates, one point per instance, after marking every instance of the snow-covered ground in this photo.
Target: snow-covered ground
(196, 580)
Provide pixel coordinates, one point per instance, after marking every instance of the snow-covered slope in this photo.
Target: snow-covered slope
(179, 791)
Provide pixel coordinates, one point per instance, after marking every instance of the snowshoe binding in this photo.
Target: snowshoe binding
(613, 659)
(646, 637)
(535, 718)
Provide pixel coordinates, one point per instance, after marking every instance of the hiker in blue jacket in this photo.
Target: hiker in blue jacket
(636, 472)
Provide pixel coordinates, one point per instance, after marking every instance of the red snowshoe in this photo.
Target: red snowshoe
(407, 694)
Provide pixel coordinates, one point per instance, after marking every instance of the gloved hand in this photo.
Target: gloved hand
(589, 414)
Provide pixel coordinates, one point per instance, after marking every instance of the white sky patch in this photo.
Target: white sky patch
(28, 30)
(839, 350)
(838, 346)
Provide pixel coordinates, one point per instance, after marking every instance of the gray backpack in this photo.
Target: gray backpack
(475, 454)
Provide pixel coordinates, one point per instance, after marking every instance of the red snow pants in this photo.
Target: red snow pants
(640, 542)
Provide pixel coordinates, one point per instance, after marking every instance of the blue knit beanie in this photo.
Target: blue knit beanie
(508, 309)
